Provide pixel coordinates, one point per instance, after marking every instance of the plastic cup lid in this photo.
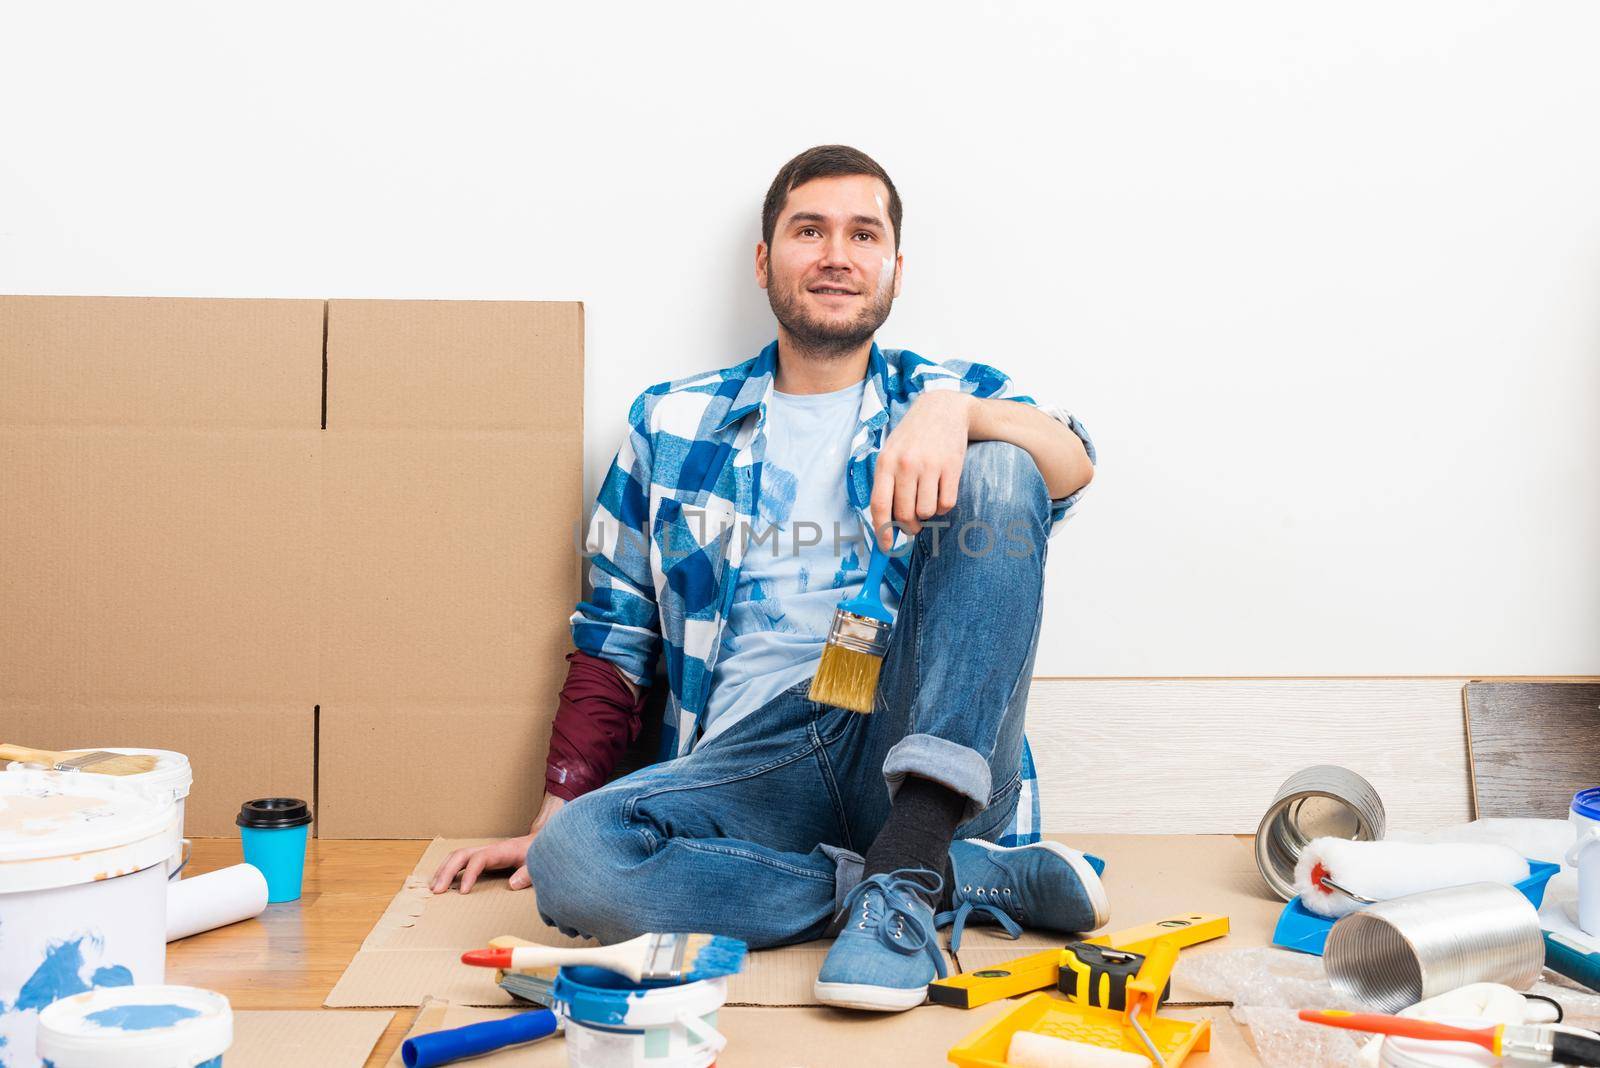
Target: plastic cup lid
(136, 1027)
(271, 813)
(59, 828)
(1586, 803)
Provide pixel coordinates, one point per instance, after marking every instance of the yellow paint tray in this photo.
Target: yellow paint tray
(1046, 1015)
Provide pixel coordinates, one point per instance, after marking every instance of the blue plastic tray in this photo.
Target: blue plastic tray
(1301, 929)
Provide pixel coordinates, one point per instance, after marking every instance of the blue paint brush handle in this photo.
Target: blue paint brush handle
(442, 1047)
(869, 602)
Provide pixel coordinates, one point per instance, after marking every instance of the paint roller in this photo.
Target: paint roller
(1032, 1050)
(1335, 876)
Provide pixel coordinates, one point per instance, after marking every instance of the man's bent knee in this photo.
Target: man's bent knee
(573, 864)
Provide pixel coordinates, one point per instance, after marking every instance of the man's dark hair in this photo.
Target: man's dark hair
(824, 161)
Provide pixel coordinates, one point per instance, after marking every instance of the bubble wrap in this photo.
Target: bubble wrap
(1268, 986)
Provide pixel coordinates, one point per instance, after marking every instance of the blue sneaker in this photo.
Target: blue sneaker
(1044, 884)
(887, 952)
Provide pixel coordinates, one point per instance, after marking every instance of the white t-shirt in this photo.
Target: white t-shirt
(805, 553)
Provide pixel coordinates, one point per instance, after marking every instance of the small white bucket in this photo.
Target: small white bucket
(137, 1027)
(83, 894)
(171, 777)
(614, 1023)
(1585, 856)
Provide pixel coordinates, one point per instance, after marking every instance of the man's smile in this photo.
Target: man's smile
(833, 291)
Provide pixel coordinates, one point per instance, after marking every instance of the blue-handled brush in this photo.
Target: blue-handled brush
(847, 677)
(459, 1043)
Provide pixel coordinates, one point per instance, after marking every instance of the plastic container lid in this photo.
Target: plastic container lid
(272, 813)
(1586, 803)
(136, 1027)
(62, 828)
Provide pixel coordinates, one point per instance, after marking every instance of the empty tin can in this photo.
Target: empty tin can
(1325, 801)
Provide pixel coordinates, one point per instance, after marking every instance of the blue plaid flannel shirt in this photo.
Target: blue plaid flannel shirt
(664, 542)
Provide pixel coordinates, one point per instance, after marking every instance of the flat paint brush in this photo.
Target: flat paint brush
(99, 762)
(534, 988)
(666, 957)
(847, 677)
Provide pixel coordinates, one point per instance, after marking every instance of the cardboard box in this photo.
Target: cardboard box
(159, 535)
(370, 615)
(452, 490)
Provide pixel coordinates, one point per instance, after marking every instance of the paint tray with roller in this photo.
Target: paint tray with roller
(1302, 930)
(1105, 1029)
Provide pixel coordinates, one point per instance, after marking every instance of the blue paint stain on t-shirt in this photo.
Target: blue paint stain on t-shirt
(141, 1017)
(804, 555)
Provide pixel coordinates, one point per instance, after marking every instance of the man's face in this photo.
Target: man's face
(832, 271)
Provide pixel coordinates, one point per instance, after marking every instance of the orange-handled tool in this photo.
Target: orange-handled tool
(1529, 1044)
(1405, 1027)
(1144, 992)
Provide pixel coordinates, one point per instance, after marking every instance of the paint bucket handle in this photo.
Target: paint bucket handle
(188, 851)
(1583, 843)
(703, 1032)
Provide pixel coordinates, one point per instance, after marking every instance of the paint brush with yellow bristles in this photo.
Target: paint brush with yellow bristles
(97, 761)
(847, 677)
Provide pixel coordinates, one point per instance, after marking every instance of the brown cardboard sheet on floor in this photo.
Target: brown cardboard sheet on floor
(158, 468)
(325, 1039)
(413, 951)
(1151, 877)
(826, 1038)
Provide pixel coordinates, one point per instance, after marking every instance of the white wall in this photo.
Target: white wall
(1323, 280)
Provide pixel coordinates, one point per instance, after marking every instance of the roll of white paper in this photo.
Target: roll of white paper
(214, 899)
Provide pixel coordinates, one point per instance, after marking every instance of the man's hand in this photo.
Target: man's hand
(919, 464)
(471, 863)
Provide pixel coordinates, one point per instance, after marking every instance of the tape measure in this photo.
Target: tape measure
(1098, 975)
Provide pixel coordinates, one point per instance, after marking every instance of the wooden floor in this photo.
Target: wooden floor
(291, 957)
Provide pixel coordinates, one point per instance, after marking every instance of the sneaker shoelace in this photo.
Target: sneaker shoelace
(895, 918)
(984, 901)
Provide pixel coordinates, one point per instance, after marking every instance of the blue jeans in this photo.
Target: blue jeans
(759, 833)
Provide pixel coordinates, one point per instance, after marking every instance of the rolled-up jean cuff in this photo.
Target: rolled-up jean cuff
(940, 760)
(847, 870)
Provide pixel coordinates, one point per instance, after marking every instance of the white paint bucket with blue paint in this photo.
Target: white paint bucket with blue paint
(137, 1027)
(613, 1022)
(83, 894)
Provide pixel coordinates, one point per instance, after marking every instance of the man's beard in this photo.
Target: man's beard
(825, 338)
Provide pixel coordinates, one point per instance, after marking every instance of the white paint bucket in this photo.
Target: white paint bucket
(171, 777)
(612, 1022)
(137, 1027)
(83, 894)
(1585, 856)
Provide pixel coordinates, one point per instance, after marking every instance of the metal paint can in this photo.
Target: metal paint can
(1324, 801)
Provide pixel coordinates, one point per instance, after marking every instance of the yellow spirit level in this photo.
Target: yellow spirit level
(1039, 970)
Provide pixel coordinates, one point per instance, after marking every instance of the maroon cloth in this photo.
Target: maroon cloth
(597, 718)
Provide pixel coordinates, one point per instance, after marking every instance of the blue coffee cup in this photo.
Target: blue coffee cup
(273, 831)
